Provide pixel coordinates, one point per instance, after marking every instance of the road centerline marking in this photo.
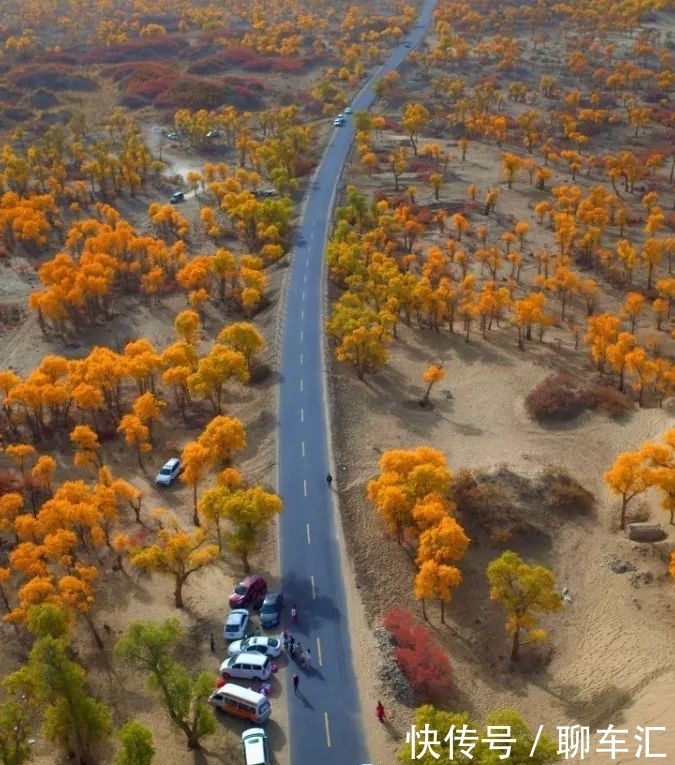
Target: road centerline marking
(302, 336)
(301, 359)
(302, 415)
(309, 534)
(319, 655)
(312, 584)
(302, 448)
(326, 726)
(302, 385)
(304, 486)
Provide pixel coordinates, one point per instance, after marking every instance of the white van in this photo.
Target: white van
(247, 666)
(256, 748)
(242, 702)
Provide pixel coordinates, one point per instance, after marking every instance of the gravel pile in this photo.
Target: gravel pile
(389, 672)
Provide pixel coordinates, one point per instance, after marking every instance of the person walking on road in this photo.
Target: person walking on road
(294, 613)
(379, 711)
(308, 658)
(296, 682)
(329, 480)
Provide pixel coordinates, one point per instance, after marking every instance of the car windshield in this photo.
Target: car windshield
(268, 607)
(165, 471)
(240, 589)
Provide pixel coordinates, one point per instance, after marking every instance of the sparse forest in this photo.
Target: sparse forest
(499, 325)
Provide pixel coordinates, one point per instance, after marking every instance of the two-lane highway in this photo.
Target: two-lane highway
(325, 717)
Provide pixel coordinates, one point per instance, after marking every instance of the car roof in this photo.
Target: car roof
(173, 461)
(250, 658)
(237, 616)
(251, 579)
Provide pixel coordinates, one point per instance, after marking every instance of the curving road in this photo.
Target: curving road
(325, 718)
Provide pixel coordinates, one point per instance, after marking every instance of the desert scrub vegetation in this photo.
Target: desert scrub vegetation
(560, 398)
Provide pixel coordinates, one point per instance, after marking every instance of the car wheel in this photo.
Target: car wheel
(257, 679)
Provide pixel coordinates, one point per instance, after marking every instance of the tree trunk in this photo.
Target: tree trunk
(195, 513)
(515, 646)
(95, 633)
(424, 611)
(624, 503)
(178, 591)
(442, 612)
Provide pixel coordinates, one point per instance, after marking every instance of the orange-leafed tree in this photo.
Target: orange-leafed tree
(406, 478)
(244, 338)
(178, 553)
(415, 118)
(196, 460)
(136, 434)
(222, 436)
(88, 454)
(628, 477)
(222, 365)
(436, 580)
(432, 375)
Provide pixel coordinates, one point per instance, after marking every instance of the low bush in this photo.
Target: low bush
(422, 660)
(610, 400)
(557, 397)
(564, 494)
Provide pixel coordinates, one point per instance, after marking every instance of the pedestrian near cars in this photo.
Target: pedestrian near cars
(297, 649)
(213, 644)
(291, 644)
(294, 614)
(308, 658)
(296, 683)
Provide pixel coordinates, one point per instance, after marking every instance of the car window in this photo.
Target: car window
(240, 589)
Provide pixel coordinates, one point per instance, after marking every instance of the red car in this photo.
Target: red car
(249, 592)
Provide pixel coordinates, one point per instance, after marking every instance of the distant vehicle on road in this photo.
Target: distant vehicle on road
(236, 624)
(348, 110)
(268, 646)
(339, 121)
(169, 472)
(270, 611)
(177, 197)
(249, 592)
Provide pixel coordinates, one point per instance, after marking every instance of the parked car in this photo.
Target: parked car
(348, 110)
(169, 472)
(270, 611)
(213, 134)
(250, 592)
(247, 666)
(256, 747)
(176, 197)
(172, 136)
(266, 193)
(339, 121)
(269, 646)
(236, 624)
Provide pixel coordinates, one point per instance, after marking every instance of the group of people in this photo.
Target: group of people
(294, 649)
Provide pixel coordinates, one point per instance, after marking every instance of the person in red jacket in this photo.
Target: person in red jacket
(379, 711)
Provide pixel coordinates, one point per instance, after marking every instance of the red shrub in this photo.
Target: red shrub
(288, 65)
(422, 660)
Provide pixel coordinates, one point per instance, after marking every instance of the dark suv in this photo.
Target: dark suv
(249, 592)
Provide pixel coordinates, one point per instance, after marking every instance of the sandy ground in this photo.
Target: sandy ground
(609, 660)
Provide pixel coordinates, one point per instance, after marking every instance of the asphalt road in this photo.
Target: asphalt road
(325, 718)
